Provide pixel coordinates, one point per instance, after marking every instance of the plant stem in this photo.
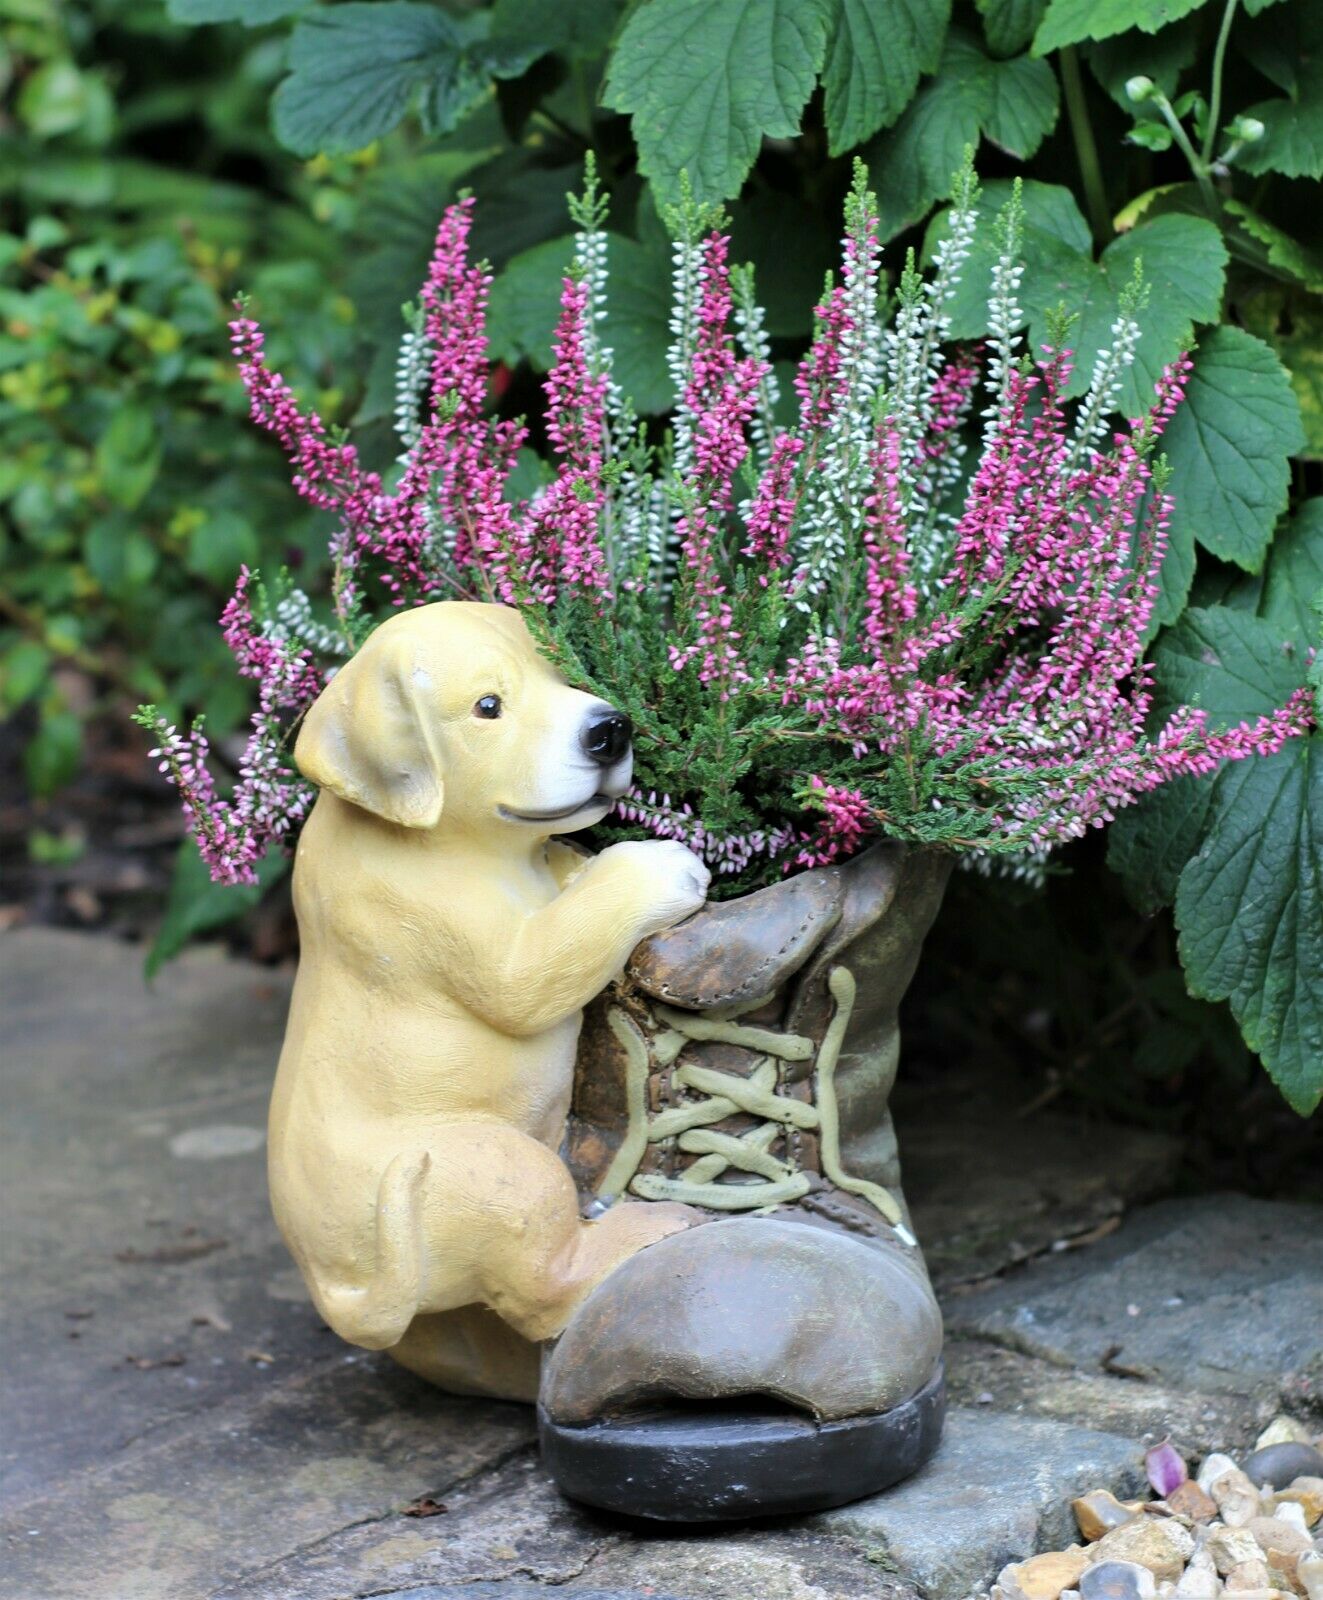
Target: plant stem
(1182, 139)
(1086, 150)
(1215, 87)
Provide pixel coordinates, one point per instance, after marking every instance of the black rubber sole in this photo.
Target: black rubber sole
(717, 1466)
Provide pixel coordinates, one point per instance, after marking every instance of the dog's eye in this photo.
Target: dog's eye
(489, 707)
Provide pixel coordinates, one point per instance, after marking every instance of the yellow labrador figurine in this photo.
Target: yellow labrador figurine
(448, 948)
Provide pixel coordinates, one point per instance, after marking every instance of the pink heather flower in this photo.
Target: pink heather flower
(986, 680)
(772, 514)
(566, 521)
(848, 821)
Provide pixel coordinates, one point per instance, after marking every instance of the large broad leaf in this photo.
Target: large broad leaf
(253, 13)
(1292, 141)
(197, 905)
(1249, 908)
(1293, 577)
(878, 50)
(1284, 257)
(1249, 891)
(1071, 21)
(356, 69)
(1292, 323)
(571, 27)
(1127, 55)
(525, 303)
(1183, 262)
(1013, 104)
(705, 80)
(1009, 25)
(789, 282)
(1184, 265)
(1229, 447)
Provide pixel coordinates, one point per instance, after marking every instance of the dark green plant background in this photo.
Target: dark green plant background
(156, 158)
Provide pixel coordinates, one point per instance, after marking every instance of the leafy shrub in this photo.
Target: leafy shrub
(131, 487)
(1190, 135)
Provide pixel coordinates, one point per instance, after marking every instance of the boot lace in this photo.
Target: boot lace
(714, 1095)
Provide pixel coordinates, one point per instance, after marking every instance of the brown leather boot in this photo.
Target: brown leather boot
(785, 1355)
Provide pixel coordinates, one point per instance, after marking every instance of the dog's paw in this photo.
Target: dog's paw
(674, 880)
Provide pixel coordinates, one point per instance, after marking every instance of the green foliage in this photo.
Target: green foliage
(1239, 850)
(144, 186)
(132, 485)
(707, 80)
(1011, 103)
(1073, 21)
(196, 905)
(357, 68)
(877, 53)
(1183, 259)
(1229, 446)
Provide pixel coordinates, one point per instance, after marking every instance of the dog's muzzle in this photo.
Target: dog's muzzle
(605, 740)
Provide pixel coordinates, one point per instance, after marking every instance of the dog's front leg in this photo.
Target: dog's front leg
(555, 961)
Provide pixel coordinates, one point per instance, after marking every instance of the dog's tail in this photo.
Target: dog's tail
(377, 1315)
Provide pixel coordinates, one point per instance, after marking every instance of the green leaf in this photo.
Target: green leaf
(878, 51)
(119, 556)
(218, 547)
(1150, 843)
(1249, 893)
(1014, 104)
(252, 13)
(1162, 58)
(1009, 25)
(1249, 908)
(1229, 446)
(23, 669)
(1055, 248)
(1292, 323)
(1293, 577)
(1227, 662)
(578, 28)
(525, 302)
(1184, 263)
(1292, 141)
(1174, 580)
(128, 454)
(356, 69)
(1287, 256)
(706, 80)
(1072, 21)
(52, 755)
(197, 905)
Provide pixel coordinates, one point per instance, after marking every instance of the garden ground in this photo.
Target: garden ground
(181, 1424)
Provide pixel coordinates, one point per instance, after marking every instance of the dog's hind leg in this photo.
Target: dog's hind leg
(501, 1227)
(378, 1314)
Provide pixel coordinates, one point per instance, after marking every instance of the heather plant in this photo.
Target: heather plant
(919, 611)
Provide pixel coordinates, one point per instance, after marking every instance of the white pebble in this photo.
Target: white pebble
(1213, 1468)
(1292, 1513)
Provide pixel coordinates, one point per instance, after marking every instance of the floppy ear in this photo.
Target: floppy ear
(366, 739)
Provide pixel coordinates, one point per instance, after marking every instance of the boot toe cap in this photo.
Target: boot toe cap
(752, 1307)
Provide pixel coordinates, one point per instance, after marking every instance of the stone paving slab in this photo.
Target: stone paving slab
(200, 1506)
(998, 1490)
(142, 1285)
(1216, 1293)
(180, 1426)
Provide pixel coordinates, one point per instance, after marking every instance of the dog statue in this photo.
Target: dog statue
(448, 947)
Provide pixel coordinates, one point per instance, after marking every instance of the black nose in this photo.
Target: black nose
(606, 739)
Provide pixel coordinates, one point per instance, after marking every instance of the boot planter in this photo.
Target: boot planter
(784, 1355)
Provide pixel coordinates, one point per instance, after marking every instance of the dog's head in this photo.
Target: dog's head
(449, 710)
